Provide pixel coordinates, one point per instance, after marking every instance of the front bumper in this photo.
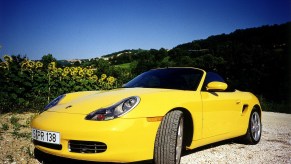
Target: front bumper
(127, 140)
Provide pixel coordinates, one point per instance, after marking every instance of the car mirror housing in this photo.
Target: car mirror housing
(216, 86)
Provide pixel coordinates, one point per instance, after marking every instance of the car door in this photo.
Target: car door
(221, 109)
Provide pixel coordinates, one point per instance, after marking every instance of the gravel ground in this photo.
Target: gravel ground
(274, 147)
(15, 144)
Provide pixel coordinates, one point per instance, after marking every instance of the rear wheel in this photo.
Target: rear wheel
(254, 132)
(169, 139)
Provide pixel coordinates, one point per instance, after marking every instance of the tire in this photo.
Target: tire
(254, 132)
(169, 139)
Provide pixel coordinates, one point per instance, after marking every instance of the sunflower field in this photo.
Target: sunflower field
(29, 85)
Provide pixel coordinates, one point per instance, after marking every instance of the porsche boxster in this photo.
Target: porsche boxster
(154, 117)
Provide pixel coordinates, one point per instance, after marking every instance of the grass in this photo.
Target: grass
(125, 65)
(17, 126)
(5, 127)
(14, 121)
(17, 134)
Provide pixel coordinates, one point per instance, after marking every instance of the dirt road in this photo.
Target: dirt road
(274, 147)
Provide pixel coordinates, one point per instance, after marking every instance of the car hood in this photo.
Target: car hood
(86, 103)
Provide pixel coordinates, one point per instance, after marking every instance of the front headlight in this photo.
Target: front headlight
(54, 102)
(117, 110)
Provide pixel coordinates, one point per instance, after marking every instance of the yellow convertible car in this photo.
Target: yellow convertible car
(153, 117)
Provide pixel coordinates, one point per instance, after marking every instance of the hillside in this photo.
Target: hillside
(260, 57)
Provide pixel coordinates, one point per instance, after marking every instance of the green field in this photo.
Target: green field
(125, 65)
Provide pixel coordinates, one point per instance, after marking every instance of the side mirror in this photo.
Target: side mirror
(216, 86)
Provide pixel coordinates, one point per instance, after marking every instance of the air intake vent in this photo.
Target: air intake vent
(86, 146)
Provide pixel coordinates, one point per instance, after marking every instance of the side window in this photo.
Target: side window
(211, 76)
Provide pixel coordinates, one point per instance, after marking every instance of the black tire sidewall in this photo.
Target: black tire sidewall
(166, 138)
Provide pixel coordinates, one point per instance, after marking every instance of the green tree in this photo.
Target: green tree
(46, 59)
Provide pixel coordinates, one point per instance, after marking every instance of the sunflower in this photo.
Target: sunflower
(89, 72)
(81, 73)
(30, 64)
(94, 77)
(110, 80)
(24, 64)
(54, 71)
(67, 70)
(8, 58)
(64, 74)
(38, 64)
(103, 76)
(73, 73)
(52, 66)
(74, 69)
(4, 65)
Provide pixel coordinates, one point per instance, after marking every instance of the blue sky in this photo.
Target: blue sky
(80, 29)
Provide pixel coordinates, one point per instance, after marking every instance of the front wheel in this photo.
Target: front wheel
(169, 139)
(254, 132)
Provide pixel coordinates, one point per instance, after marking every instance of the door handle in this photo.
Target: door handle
(238, 101)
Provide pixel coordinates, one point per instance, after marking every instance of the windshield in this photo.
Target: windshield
(168, 78)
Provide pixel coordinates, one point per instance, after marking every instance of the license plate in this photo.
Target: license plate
(46, 136)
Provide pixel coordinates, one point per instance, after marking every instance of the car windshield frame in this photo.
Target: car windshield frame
(168, 78)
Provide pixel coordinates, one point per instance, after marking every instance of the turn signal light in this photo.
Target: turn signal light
(154, 119)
